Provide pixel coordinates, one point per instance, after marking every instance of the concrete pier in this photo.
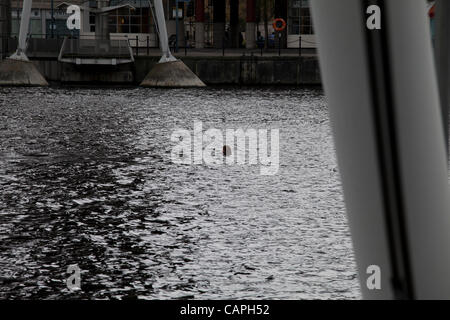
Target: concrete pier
(20, 73)
(17, 70)
(248, 71)
(237, 70)
(173, 74)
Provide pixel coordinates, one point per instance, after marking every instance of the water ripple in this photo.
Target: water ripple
(86, 179)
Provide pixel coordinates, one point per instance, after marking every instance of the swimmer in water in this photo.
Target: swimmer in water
(226, 151)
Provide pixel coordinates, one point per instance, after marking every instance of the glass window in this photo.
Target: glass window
(91, 18)
(145, 28)
(135, 28)
(92, 22)
(135, 20)
(112, 28)
(299, 17)
(126, 20)
(123, 28)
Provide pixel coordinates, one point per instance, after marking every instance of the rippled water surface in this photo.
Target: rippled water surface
(86, 178)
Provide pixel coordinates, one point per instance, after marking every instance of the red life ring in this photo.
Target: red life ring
(279, 24)
(431, 12)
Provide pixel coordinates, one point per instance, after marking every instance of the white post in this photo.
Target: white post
(163, 39)
(383, 98)
(24, 25)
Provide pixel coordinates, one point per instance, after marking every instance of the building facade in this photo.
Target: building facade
(300, 25)
(41, 18)
(127, 22)
(201, 23)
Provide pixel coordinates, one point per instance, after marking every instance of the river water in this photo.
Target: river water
(86, 178)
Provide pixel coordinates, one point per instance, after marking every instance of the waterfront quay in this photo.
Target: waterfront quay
(213, 69)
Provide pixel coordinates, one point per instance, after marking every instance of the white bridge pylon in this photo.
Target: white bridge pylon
(158, 13)
(24, 24)
(162, 32)
(17, 70)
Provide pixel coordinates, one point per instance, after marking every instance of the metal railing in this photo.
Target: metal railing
(42, 45)
(95, 48)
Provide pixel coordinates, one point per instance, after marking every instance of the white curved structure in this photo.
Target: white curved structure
(23, 32)
(382, 92)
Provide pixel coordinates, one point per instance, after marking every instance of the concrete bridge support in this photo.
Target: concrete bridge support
(17, 70)
(168, 72)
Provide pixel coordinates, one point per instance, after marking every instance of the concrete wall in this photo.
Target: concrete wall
(212, 70)
(245, 70)
(50, 69)
(55, 71)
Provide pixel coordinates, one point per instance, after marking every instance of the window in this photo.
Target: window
(127, 20)
(299, 17)
(91, 22)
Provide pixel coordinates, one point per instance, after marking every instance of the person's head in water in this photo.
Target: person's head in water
(226, 151)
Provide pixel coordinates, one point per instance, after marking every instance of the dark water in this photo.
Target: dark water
(86, 178)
